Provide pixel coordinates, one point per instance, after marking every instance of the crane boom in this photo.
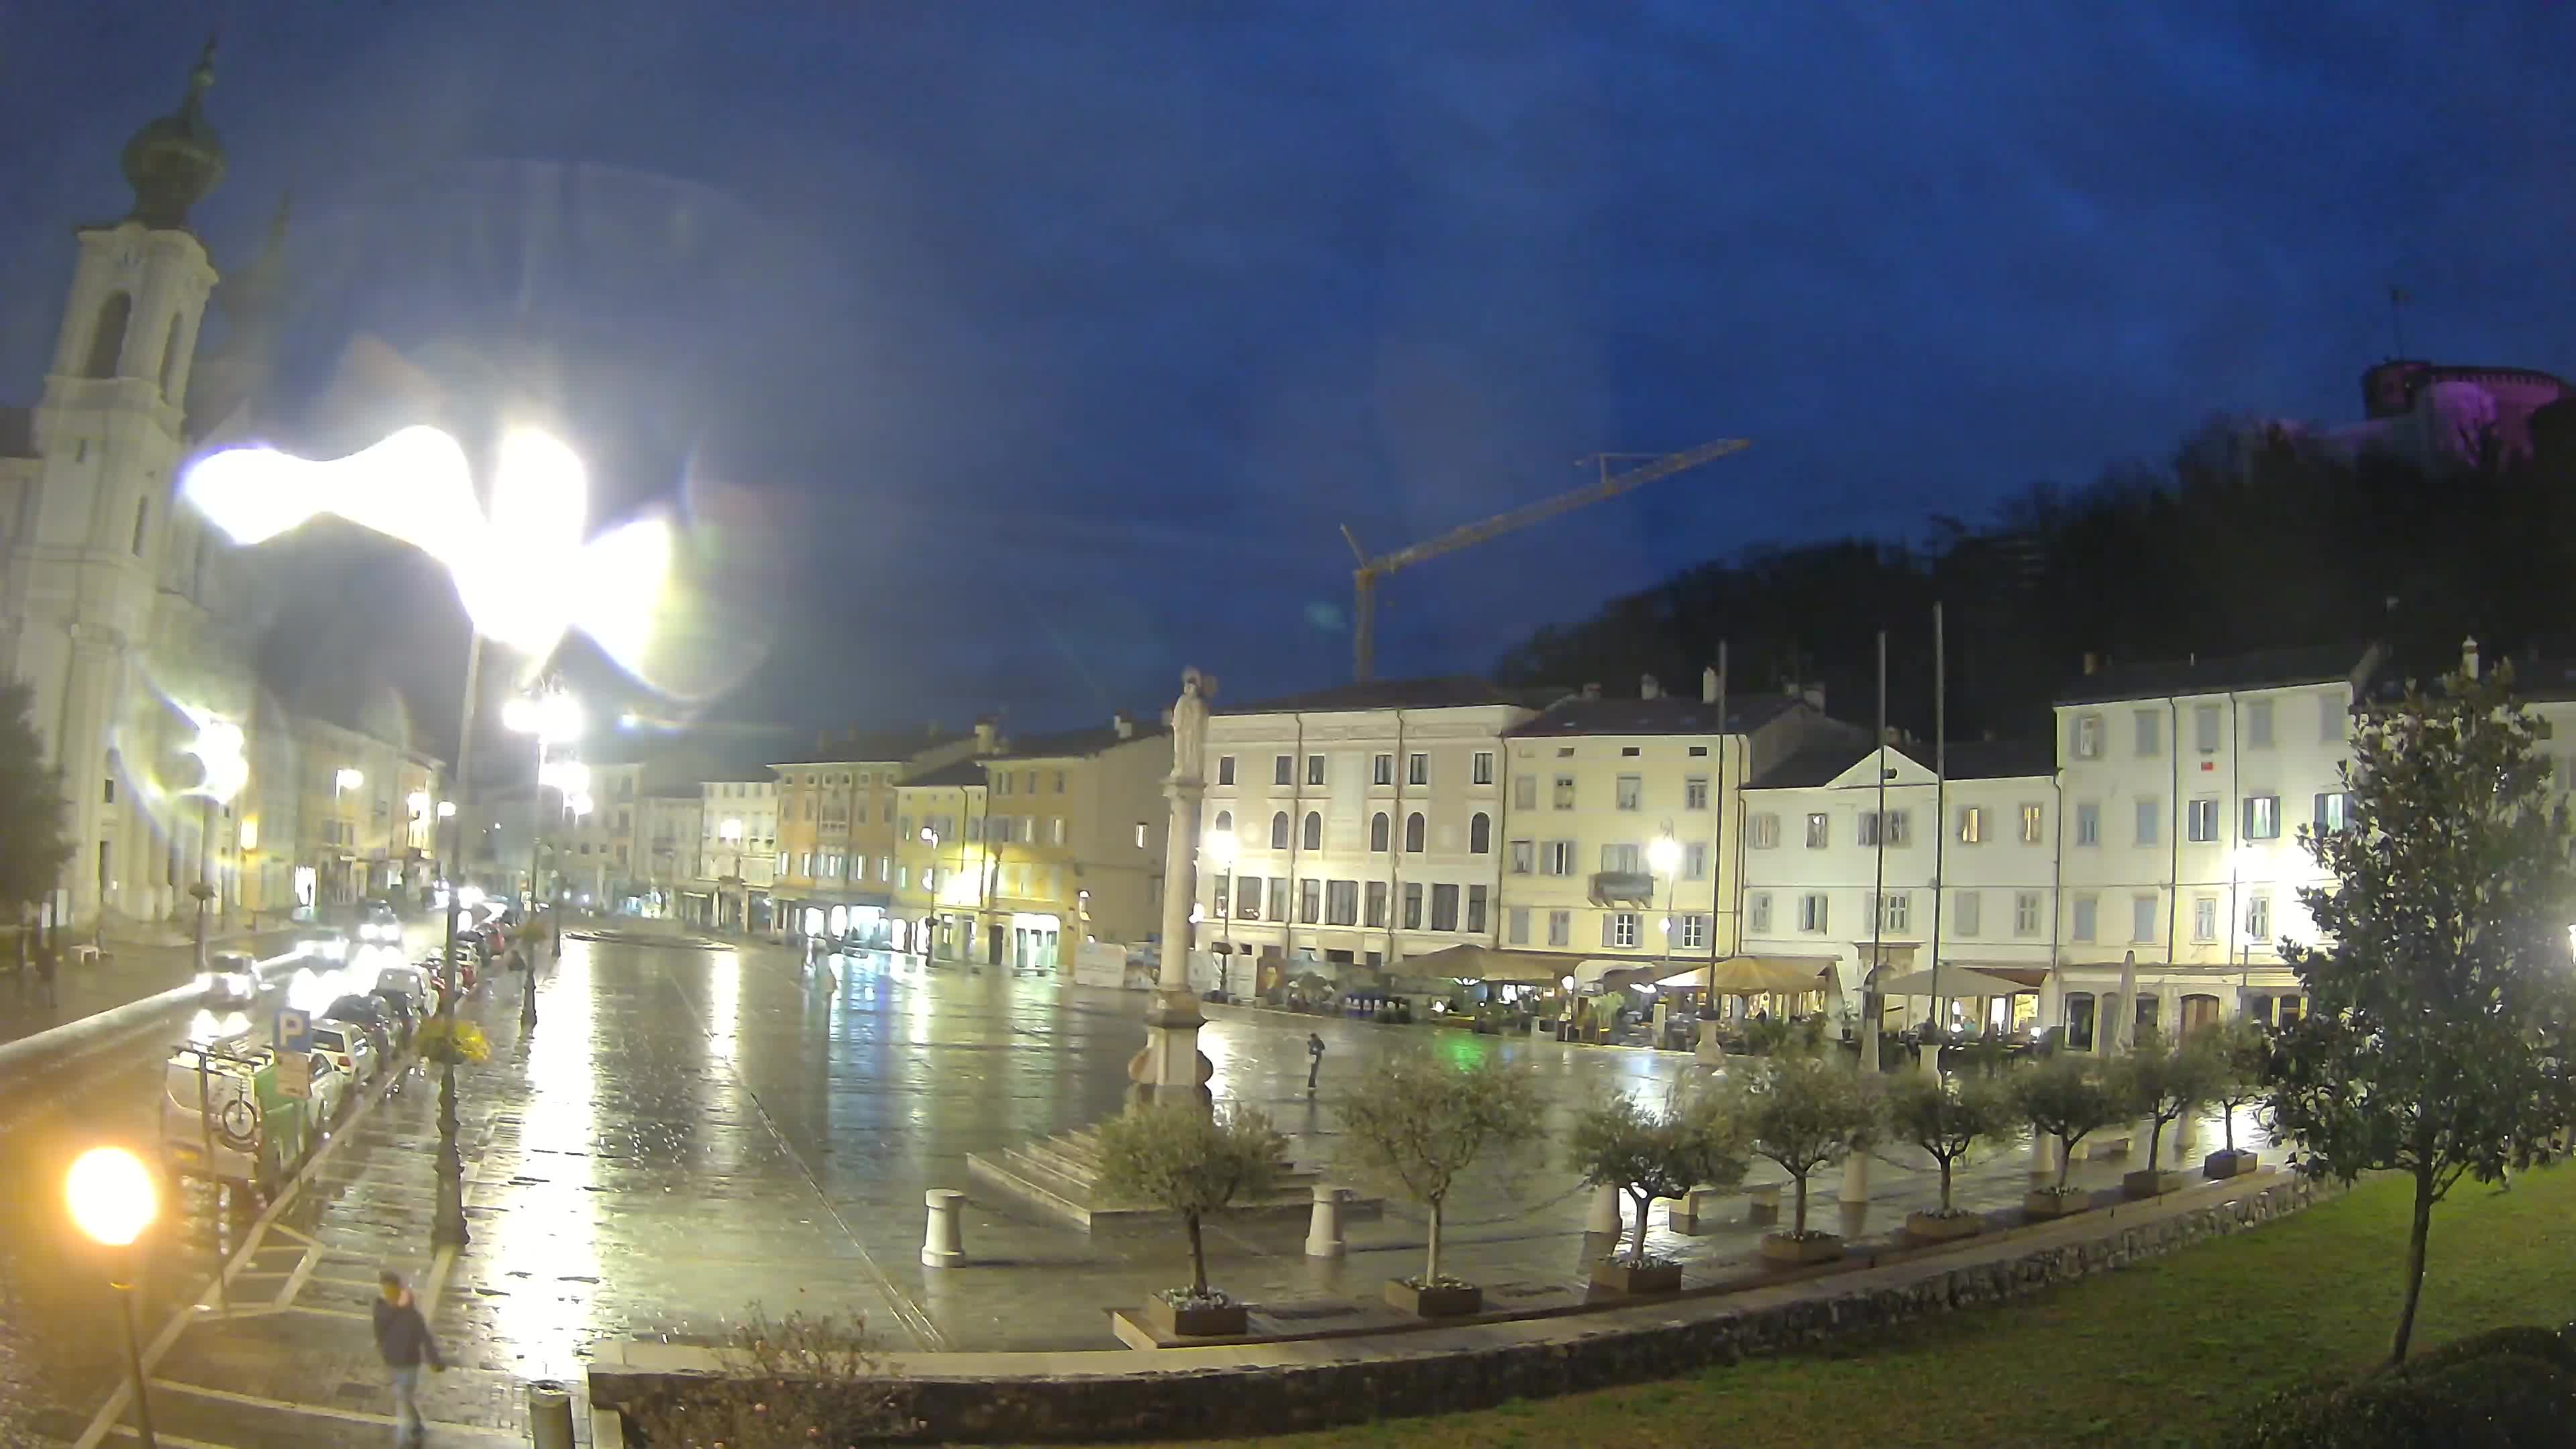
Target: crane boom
(1364, 578)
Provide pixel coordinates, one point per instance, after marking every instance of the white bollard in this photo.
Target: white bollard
(941, 1247)
(1605, 1217)
(1324, 1226)
(1856, 1178)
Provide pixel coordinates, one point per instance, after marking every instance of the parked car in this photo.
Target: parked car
(326, 942)
(416, 982)
(327, 1088)
(349, 1048)
(367, 1013)
(230, 982)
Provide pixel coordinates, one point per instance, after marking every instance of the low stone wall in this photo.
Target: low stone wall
(1277, 1388)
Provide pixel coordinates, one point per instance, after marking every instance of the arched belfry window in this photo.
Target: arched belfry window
(170, 360)
(107, 338)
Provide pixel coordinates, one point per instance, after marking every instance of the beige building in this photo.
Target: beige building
(737, 856)
(836, 829)
(939, 902)
(1072, 841)
(1619, 832)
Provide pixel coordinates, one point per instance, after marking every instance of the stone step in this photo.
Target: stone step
(1052, 1156)
(1082, 1187)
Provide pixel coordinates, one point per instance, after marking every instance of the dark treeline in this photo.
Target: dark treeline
(2240, 543)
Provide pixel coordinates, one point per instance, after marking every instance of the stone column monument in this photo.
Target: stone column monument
(1170, 1068)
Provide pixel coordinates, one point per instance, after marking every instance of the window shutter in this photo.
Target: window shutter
(1609, 935)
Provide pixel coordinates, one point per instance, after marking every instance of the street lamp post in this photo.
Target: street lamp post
(112, 1200)
(1221, 847)
(218, 748)
(1664, 858)
(547, 714)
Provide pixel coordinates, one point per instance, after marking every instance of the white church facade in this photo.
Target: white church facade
(121, 610)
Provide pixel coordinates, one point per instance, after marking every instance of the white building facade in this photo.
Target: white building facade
(2185, 788)
(737, 855)
(1957, 867)
(1367, 821)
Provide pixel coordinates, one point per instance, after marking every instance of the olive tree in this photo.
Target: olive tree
(1414, 1123)
(1695, 1139)
(1190, 1162)
(2162, 1081)
(2240, 1064)
(1809, 1112)
(2068, 1097)
(1949, 1122)
(2442, 1016)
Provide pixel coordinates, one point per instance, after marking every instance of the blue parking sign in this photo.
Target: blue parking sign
(294, 1032)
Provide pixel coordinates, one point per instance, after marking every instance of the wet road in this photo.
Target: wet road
(690, 1130)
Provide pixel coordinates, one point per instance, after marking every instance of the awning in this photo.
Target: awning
(1954, 981)
(1487, 963)
(1760, 975)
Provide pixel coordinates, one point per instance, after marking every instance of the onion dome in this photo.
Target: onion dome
(175, 160)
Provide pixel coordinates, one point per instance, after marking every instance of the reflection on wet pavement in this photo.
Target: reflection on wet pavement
(688, 1131)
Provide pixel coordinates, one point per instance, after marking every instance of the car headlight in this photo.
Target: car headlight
(205, 979)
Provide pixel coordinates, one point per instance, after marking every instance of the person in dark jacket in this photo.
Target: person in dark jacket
(403, 1342)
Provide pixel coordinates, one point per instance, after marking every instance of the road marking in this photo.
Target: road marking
(332, 1411)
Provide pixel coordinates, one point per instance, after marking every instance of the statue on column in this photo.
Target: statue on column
(1189, 727)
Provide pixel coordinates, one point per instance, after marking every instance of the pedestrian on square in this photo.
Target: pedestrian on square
(45, 963)
(403, 1342)
(1314, 1059)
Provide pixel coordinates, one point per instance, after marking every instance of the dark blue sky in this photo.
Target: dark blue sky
(1022, 353)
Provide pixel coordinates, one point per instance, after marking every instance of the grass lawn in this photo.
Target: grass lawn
(2157, 1355)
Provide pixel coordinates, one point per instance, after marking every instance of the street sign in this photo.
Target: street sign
(295, 1074)
(294, 1033)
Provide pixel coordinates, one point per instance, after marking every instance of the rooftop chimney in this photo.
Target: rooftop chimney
(1708, 685)
(1592, 691)
(985, 736)
(2092, 662)
(1124, 723)
(2469, 656)
(1649, 687)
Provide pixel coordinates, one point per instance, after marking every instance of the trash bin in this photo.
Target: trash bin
(550, 1414)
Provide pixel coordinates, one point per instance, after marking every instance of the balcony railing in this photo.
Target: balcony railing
(1625, 887)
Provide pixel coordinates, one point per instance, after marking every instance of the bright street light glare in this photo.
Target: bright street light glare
(1220, 846)
(218, 751)
(348, 779)
(446, 809)
(572, 777)
(1664, 854)
(553, 716)
(111, 1195)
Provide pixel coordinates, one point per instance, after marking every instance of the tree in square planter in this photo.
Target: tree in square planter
(1191, 1162)
(2069, 1097)
(1949, 1122)
(2442, 1010)
(2162, 1082)
(2241, 1059)
(1808, 1112)
(1695, 1139)
(1412, 1124)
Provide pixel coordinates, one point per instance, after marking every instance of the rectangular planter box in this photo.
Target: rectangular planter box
(1931, 1228)
(1231, 1321)
(1781, 1248)
(2150, 1182)
(2224, 1164)
(1618, 1275)
(1452, 1301)
(2055, 1205)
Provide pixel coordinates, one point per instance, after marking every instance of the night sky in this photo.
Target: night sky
(1020, 354)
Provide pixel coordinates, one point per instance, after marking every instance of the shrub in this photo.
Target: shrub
(2163, 1082)
(799, 1380)
(1949, 1122)
(2067, 1098)
(2503, 1389)
(1190, 1162)
(1808, 1112)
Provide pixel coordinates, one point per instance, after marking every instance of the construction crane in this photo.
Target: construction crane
(1609, 485)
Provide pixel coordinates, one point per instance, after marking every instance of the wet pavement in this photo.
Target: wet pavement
(689, 1131)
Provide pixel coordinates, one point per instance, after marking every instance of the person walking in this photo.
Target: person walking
(1314, 1059)
(403, 1342)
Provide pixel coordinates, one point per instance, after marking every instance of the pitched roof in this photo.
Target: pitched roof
(875, 747)
(2264, 669)
(1817, 764)
(1444, 691)
(1821, 764)
(1076, 744)
(1664, 715)
(968, 771)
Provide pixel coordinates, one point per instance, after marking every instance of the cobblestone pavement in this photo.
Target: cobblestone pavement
(688, 1131)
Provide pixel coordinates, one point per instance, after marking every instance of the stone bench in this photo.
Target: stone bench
(1697, 1214)
(2101, 1146)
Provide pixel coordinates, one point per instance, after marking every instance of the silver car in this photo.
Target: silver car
(350, 1049)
